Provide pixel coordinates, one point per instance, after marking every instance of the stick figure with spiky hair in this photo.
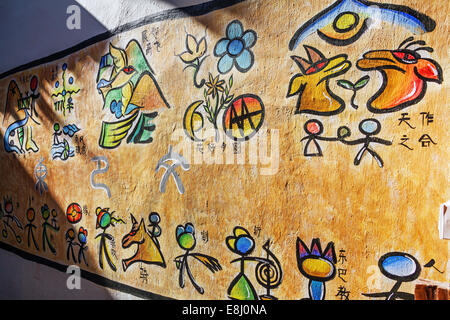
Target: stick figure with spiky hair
(316, 265)
(185, 236)
(104, 220)
(45, 211)
(7, 216)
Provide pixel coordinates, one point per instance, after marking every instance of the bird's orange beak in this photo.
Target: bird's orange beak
(378, 59)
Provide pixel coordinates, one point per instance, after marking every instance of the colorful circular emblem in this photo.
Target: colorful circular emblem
(103, 218)
(73, 213)
(244, 117)
(82, 235)
(186, 236)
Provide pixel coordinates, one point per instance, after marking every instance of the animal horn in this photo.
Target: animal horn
(302, 63)
(133, 219)
(314, 55)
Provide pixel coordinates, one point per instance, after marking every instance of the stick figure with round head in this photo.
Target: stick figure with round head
(31, 214)
(268, 270)
(185, 236)
(8, 216)
(56, 132)
(70, 237)
(45, 211)
(400, 267)
(82, 238)
(370, 128)
(105, 219)
(314, 129)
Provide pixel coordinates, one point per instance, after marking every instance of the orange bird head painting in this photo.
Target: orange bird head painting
(405, 75)
(312, 84)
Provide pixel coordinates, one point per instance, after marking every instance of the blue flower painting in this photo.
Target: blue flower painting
(234, 49)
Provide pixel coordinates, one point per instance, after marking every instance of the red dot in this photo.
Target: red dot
(313, 127)
(33, 83)
(8, 207)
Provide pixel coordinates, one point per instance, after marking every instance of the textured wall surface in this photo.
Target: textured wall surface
(256, 149)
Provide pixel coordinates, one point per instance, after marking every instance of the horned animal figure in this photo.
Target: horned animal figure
(312, 84)
(405, 75)
(148, 249)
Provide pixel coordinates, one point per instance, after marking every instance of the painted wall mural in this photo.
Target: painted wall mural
(18, 137)
(138, 158)
(131, 86)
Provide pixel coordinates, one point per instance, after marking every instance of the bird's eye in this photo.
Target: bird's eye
(405, 57)
(128, 69)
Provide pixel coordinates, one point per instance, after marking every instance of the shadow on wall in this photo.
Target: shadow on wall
(29, 40)
(33, 224)
(36, 29)
(44, 276)
(38, 276)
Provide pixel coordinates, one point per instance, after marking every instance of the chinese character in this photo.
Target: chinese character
(342, 272)
(236, 147)
(256, 230)
(425, 139)
(143, 275)
(157, 45)
(69, 104)
(343, 293)
(405, 119)
(199, 147)
(205, 236)
(144, 36)
(211, 147)
(342, 256)
(427, 117)
(403, 143)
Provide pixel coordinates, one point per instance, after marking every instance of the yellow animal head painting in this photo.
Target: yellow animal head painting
(312, 84)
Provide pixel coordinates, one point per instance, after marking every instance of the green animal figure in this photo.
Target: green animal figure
(132, 95)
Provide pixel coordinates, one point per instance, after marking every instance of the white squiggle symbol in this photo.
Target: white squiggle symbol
(40, 172)
(99, 170)
(178, 160)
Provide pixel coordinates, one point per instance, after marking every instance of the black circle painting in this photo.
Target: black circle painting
(244, 117)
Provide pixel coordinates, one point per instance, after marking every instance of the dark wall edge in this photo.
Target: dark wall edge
(95, 278)
(171, 14)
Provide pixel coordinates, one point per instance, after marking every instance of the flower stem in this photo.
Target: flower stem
(352, 100)
(197, 68)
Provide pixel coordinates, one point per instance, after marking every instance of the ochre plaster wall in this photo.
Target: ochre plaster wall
(362, 211)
